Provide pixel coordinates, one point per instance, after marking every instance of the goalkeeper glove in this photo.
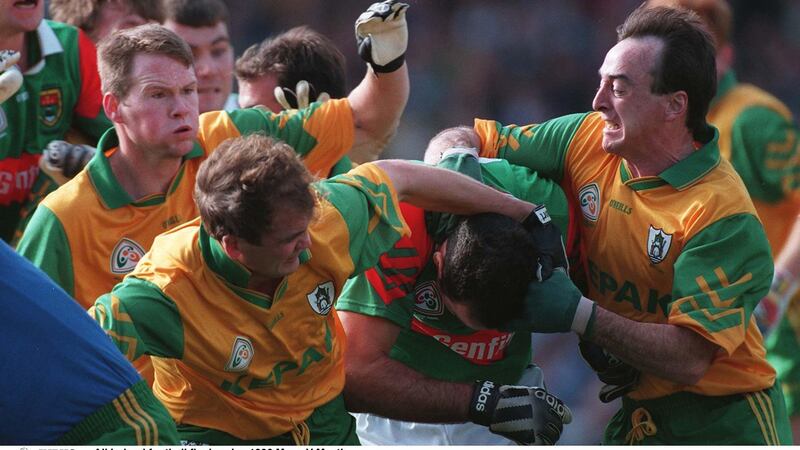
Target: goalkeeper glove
(62, 160)
(620, 378)
(382, 35)
(555, 305)
(770, 309)
(10, 76)
(549, 243)
(525, 414)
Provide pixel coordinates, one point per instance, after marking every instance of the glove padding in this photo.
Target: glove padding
(382, 35)
(526, 415)
(301, 95)
(770, 309)
(10, 76)
(549, 242)
(619, 377)
(62, 160)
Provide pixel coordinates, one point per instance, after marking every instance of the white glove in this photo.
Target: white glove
(382, 35)
(10, 76)
(301, 94)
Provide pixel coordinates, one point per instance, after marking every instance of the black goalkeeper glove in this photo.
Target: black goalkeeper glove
(619, 377)
(526, 415)
(382, 35)
(549, 243)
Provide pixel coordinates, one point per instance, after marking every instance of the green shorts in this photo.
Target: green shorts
(136, 417)
(783, 352)
(755, 418)
(330, 424)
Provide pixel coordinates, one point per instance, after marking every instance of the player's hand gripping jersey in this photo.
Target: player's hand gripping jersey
(257, 365)
(60, 89)
(695, 253)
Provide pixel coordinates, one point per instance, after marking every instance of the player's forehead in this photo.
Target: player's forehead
(631, 59)
(150, 68)
(201, 37)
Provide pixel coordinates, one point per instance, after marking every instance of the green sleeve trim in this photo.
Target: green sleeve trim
(45, 244)
(541, 147)
(288, 126)
(145, 316)
(732, 258)
(358, 199)
(359, 296)
(764, 151)
(343, 166)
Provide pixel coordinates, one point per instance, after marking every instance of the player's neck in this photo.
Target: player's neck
(666, 151)
(140, 174)
(266, 286)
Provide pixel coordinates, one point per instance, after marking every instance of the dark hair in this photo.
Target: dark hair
(687, 60)
(488, 264)
(196, 13)
(246, 181)
(116, 53)
(297, 54)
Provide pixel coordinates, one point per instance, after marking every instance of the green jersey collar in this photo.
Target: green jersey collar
(234, 273)
(105, 182)
(682, 174)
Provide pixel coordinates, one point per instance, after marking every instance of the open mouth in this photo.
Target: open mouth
(183, 129)
(26, 4)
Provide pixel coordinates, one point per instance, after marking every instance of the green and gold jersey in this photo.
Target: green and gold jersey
(684, 247)
(235, 360)
(758, 136)
(89, 233)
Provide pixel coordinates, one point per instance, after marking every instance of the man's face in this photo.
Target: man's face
(115, 15)
(632, 113)
(278, 254)
(259, 91)
(159, 113)
(213, 62)
(20, 16)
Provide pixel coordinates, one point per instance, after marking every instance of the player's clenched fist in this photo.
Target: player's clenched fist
(382, 35)
(10, 77)
(527, 415)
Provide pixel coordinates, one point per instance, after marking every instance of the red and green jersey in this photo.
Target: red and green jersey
(89, 233)
(758, 136)
(236, 360)
(403, 289)
(61, 89)
(684, 247)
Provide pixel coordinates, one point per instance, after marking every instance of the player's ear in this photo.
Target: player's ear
(438, 259)
(677, 105)
(231, 246)
(111, 107)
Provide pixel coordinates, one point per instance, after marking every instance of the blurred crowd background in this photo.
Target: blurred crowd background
(522, 62)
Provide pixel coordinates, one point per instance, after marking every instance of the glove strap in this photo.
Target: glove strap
(389, 67)
(539, 216)
(485, 396)
(583, 321)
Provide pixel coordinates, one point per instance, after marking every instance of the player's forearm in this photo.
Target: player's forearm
(377, 104)
(667, 351)
(391, 389)
(442, 190)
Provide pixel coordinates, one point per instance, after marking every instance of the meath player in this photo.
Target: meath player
(677, 258)
(64, 383)
(239, 304)
(60, 89)
(433, 316)
(94, 230)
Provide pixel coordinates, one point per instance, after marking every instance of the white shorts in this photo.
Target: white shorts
(377, 430)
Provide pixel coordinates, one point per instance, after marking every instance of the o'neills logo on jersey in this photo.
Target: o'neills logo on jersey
(427, 299)
(241, 355)
(321, 298)
(589, 199)
(50, 106)
(481, 347)
(125, 256)
(658, 244)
